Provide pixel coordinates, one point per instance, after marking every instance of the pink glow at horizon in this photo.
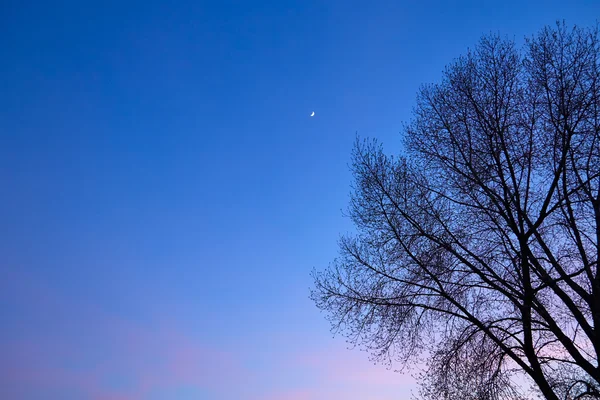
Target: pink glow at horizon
(165, 356)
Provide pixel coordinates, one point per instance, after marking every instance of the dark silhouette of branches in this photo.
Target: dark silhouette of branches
(477, 250)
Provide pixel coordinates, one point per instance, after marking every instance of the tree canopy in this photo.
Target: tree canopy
(476, 250)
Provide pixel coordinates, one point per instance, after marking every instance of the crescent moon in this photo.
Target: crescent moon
(313, 114)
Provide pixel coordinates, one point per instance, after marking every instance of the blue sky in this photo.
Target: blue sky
(166, 194)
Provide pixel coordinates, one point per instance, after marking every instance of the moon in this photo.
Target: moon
(312, 114)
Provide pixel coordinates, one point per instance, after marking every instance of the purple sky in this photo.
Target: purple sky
(166, 194)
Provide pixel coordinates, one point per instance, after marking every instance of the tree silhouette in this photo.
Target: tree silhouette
(476, 250)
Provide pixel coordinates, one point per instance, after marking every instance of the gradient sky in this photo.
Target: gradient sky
(165, 193)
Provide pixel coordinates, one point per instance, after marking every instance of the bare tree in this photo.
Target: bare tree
(476, 251)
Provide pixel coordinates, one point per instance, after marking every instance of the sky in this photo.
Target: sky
(166, 194)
